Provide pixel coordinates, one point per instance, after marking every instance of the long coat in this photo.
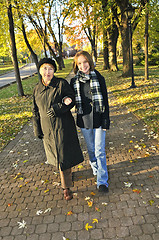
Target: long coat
(58, 131)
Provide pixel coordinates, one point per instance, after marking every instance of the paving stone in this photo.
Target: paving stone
(41, 228)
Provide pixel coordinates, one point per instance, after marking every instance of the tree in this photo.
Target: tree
(47, 17)
(121, 21)
(33, 54)
(87, 14)
(14, 50)
(110, 34)
(146, 42)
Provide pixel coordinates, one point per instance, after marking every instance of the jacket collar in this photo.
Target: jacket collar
(52, 84)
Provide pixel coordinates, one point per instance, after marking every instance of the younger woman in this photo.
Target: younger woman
(92, 113)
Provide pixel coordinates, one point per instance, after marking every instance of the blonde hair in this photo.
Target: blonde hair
(88, 58)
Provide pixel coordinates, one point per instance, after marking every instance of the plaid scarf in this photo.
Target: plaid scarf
(97, 97)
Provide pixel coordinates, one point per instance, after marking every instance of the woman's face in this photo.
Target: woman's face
(83, 64)
(47, 72)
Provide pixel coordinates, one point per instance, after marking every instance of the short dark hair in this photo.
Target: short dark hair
(49, 61)
(88, 58)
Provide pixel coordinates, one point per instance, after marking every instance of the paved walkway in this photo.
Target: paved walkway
(25, 72)
(31, 201)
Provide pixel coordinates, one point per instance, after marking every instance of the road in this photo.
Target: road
(25, 72)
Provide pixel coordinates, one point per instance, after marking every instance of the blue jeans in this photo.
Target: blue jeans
(95, 140)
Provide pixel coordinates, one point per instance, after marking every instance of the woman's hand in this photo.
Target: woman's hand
(67, 100)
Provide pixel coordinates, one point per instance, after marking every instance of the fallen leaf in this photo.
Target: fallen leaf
(151, 202)
(56, 184)
(46, 191)
(127, 184)
(93, 194)
(87, 198)
(25, 161)
(39, 212)
(80, 166)
(90, 203)
(69, 213)
(47, 210)
(95, 220)
(22, 224)
(17, 175)
(104, 203)
(137, 190)
(87, 226)
(130, 150)
(97, 209)
(65, 238)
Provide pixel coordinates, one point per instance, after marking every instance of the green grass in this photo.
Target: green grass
(143, 101)
(15, 111)
(7, 68)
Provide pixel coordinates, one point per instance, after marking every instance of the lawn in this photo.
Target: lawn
(15, 111)
(143, 100)
(6, 68)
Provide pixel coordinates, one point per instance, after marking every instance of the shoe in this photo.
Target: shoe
(67, 194)
(103, 188)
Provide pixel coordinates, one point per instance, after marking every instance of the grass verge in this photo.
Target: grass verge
(143, 100)
(15, 111)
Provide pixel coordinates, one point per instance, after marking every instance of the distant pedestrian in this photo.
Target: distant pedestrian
(53, 122)
(92, 113)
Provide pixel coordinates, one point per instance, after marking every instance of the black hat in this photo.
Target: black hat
(49, 61)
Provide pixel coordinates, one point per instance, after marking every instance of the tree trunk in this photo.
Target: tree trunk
(14, 51)
(146, 46)
(105, 51)
(112, 41)
(125, 48)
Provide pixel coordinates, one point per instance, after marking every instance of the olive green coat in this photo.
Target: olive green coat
(58, 131)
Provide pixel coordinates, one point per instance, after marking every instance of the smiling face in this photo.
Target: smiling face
(47, 72)
(83, 64)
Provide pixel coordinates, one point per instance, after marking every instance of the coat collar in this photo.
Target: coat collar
(52, 84)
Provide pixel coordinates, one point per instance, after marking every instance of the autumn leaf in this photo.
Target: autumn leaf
(147, 154)
(97, 209)
(137, 190)
(104, 203)
(90, 203)
(22, 224)
(80, 166)
(93, 194)
(151, 202)
(25, 161)
(39, 212)
(87, 198)
(127, 184)
(130, 150)
(69, 213)
(95, 220)
(46, 191)
(87, 226)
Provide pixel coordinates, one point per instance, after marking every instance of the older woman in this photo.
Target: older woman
(53, 122)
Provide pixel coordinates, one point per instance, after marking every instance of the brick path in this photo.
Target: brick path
(30, 191)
